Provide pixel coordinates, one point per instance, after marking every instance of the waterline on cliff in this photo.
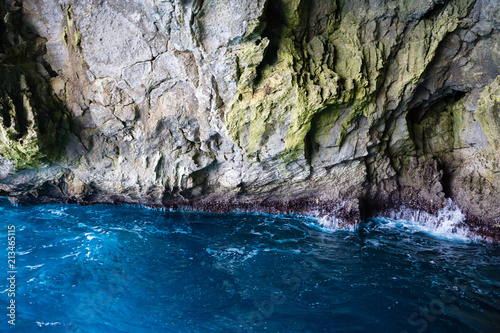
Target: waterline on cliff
(448, 223)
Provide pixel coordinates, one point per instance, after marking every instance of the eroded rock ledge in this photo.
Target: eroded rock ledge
(350, 107)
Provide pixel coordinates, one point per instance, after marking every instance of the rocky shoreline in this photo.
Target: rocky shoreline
(346, 109)
(338, 214)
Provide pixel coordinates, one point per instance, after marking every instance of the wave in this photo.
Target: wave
(448, 223)
(331, 220)
(333, 223)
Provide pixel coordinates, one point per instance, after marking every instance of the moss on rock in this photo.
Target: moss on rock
(489, 112)
(30, 114)
(339, 68)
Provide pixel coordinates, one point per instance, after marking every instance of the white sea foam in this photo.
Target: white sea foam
(231, 258)
(22, 253)
(449, 223)
(70, 255)
(57, 212)
(41, 324)
(34, 267)
(331, 222)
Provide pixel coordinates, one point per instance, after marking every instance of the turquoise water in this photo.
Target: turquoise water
(129, 269)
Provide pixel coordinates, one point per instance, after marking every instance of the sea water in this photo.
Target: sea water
(107, 268)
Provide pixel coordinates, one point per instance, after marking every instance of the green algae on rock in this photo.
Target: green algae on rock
(33, 120)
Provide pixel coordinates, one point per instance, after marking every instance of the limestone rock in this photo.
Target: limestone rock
(371, 103)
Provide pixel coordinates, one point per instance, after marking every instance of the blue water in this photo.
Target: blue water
(130, 269)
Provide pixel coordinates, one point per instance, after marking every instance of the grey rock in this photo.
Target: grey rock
(125, 112)
(100, 114)
(101, 26)
(370, 103)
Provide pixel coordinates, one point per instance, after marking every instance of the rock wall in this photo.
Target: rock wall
(279, 105)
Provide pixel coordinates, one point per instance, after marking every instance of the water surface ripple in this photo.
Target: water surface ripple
(129, 269)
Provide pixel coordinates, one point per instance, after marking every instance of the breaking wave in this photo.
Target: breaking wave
(331, 221)
(448, 223)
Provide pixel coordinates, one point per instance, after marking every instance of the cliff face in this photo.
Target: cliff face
(350, 106)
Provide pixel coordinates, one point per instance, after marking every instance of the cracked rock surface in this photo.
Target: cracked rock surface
(352, 107)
